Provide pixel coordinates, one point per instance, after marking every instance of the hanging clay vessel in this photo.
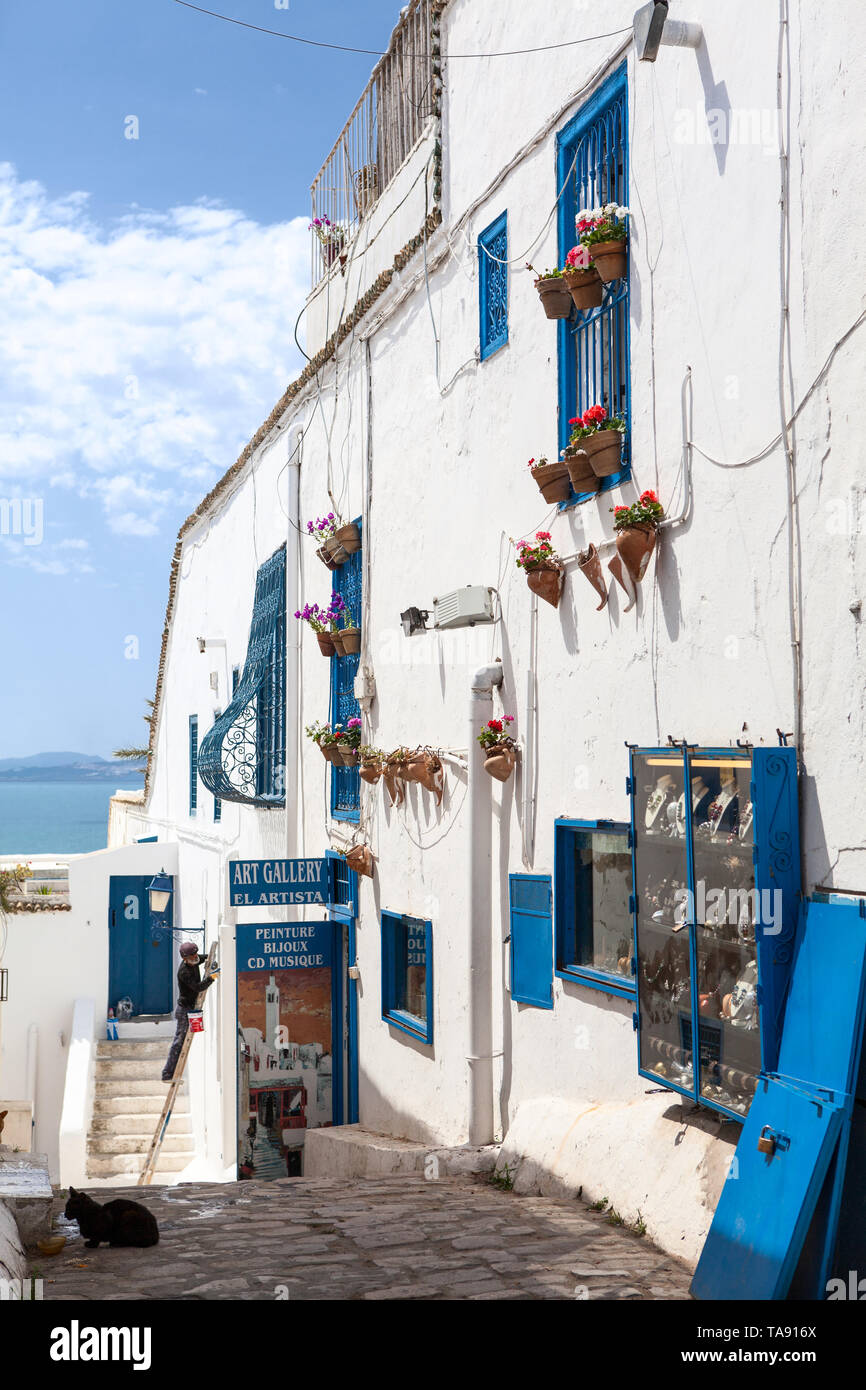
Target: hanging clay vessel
(585, 286)
(350, 638)
(326, 559)
(349, 537)
(553, 481)
(349, 757)
(581, 472)
(326, 643)
(635, 544)
(330, 752)
(555, 297)
(588, 563)
(610, 259)
(371, 771)
(605, 451)
(433, 775)
(360, 858)
(621, 575)
(337, 639)
(500, 759)
(414, 766)
(336, 550)
(547, 580)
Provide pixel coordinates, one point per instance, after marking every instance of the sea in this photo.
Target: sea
(53, 817)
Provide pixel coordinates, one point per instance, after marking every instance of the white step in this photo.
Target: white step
(123, 1087)
(131, 1049)
(139, 1123)
(138, 1143)
(150, 1105)
(129, 1069)
(117, 1165)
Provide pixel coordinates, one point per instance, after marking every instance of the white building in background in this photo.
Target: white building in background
(733, 349)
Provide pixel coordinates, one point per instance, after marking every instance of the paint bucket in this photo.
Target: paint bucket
(196, 1021)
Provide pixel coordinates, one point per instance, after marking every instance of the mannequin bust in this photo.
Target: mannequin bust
(658, 797)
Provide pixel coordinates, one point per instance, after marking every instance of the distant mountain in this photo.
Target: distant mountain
(67, 767)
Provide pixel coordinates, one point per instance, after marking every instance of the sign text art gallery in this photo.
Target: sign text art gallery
(277, 882)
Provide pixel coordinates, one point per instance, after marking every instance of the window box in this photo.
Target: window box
(593, 891)
(407, 974)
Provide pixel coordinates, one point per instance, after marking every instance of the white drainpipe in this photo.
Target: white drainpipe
(480, 917)
(293, 641)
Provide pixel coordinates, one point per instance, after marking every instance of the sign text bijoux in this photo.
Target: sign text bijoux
(277, 882)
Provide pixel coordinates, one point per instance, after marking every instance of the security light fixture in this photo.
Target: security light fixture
(159, 892)
(4, 986)
(414, 620)
(652, 28)
(202, 643)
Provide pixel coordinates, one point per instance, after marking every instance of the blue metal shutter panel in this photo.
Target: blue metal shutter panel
(242, 756)
(493, 286)
(346, 781)
(531, 939)
(193, 764)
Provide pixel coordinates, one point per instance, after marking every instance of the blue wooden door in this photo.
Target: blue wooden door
(139, 949)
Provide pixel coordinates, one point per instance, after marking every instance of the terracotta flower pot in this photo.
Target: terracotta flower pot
(414, 766)
(337, 639)
(349, 757)
(433, 775)
(552, 480)
(635, 545)
(499, 761)
(360, 858)
(547, 580)
(555, 297)
(605, 452)
(589, 563)
(326, 643)
(581, 472)
(326, 559)
(336, 550)
(330, 752)
(349, 537)
(585, 287)
(350, 638)
(610, 259)
(371, 771)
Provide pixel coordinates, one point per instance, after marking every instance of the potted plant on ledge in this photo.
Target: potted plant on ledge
(332, 240)
(600, 436)
(551, 478)
(545, 572)
(553, 292)
(604, 232)
(348, 742)
(636, 527)
(499, 748)
(319, 620)
(583, 280)
(324, 740)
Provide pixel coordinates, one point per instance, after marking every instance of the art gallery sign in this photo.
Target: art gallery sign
(277, 882)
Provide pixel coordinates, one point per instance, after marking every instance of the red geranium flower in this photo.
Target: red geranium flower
(594, 415)
(648, 496)
(542, 535)
(495, 725)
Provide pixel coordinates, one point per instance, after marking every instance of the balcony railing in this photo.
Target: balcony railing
(388, 119)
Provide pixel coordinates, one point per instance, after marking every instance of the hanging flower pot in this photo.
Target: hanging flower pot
(545, 572)
(371, 764)
(432, 777)
(330, 751)
(349, 757)
(414, 770)
(554, 295)
(499, 761)
(349, 537)
(610, 259)
(336, 550)
(636, 533)
(552, 480)
(350, 638)
(585, 287)
(337, 639)
(589, 563)
(605, 452)
(581, 473)
(546, 580)
(393, 773)
(360, 858)
(326, 643)
(326, 559)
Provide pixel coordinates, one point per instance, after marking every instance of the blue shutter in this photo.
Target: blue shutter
(493, 286)
(777, 868)
(217, 804)
(242, 756)
(346, 781)
(193, 763)
(531, 939)
(594, 367)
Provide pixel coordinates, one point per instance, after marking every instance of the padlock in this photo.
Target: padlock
(766, 1142)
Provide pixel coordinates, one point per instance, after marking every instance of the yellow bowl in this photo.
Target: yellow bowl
(52, 1246)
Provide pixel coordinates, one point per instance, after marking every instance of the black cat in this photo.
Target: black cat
(119, 1222)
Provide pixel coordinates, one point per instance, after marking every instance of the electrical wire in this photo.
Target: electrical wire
(382, 53)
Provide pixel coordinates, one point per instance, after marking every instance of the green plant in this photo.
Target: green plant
(646, 511)
(614, 1218)
(11, 881)
(599, 1205)
(606, 223)
(369, 754)
(317, 732)
(495, 732)
(44, 891)
(528, 556)
(639, 1226)
(545, 274)
(594, 419)
(503, 1178)
(350, 737)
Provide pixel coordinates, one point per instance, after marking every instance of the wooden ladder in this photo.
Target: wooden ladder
(150, 1162)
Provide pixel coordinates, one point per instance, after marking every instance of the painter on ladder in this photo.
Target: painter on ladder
(189, 986)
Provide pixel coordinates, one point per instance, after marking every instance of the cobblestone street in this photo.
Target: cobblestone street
(365, 1238)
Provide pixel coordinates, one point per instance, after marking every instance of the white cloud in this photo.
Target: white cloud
(136, 360)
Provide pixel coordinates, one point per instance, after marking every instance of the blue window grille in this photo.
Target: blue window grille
(193, 764)
(493, 285)
(242, 756)
(407, 974)
(346, 781)
(236, 676)
(531, 932)
(594, 368)
(594, 932)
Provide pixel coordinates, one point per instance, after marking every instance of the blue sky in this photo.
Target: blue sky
(150, 290)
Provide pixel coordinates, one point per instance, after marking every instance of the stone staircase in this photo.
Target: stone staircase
(127, 1102)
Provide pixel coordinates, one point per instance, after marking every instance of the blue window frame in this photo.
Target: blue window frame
(531, 930)
(594, 363)
(407, 974)
(193, 764)
(493, 286)
(346, 781)
(217, 804)
(594, 929)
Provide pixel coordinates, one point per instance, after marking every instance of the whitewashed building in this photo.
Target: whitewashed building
(484, 980)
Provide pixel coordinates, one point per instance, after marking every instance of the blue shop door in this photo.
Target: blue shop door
(139, 950)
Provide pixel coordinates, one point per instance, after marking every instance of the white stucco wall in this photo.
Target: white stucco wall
(707, 650)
